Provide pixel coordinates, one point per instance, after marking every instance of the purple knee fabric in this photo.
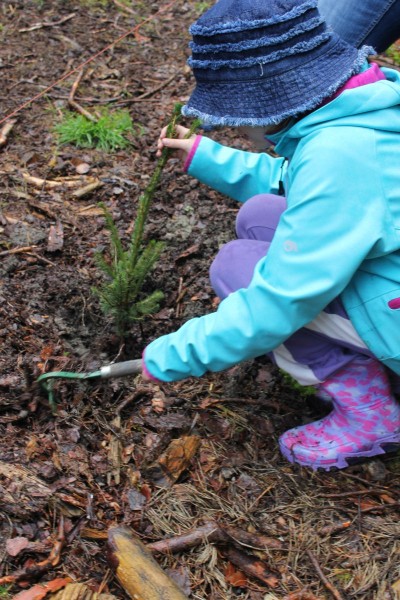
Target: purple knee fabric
(256, 224)
(234, 264)
(259, 217)
(309, 356)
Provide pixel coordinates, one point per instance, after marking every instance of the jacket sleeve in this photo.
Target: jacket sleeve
(333, 222)
(236, 173)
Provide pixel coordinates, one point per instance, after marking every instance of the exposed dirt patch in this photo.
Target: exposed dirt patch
(90, 465)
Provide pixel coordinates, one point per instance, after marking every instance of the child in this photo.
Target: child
(314, 276)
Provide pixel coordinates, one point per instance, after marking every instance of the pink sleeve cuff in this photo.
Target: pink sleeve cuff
(191, 154)
(146, 371)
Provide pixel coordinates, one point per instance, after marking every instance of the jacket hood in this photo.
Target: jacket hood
(358, 107)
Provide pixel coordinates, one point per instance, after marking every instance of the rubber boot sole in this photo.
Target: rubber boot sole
(390, 443)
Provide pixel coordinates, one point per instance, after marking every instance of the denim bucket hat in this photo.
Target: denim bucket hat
(258, 62)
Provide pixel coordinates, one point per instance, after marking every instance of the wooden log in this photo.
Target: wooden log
(139, 574)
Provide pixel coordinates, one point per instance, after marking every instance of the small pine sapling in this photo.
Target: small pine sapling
(121, 295)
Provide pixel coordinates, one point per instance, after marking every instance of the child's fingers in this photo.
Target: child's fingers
(180, 131)
(163, 132)
(173, 144)
(180, 142)
(176, 143)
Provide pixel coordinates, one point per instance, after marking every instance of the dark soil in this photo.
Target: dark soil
(88, 467)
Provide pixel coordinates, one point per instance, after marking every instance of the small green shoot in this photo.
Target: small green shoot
(304, 391)
(202, 6)
(394, 53)
(108, 133)
(94, 3)
(5, 592)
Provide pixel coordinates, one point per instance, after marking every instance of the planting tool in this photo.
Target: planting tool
(122, 369)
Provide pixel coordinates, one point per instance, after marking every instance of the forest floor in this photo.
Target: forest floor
(67, 478)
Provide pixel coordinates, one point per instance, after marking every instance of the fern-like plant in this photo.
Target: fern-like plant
(121, 294)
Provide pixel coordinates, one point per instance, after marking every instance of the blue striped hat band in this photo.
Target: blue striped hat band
(257, 62)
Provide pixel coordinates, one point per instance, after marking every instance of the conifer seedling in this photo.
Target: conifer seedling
(127, 269)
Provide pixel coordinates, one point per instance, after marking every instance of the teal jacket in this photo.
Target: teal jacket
(340, 236)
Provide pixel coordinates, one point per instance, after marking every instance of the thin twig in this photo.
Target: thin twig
(17, 250)
(179, 298)
(335, 528)
(47, 24)
(74, 104)
(87, 189)
(153, 90)
(5, 131)
(335, 593)
(124, 7)
(380, 508)
(42, 258)
(372, 492)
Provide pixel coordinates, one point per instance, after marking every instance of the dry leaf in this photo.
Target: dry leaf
(388, 499)
(235, 577)
(15, 545)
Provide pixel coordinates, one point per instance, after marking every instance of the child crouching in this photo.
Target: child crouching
(313, 279)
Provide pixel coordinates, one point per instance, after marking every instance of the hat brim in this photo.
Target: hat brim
(272, 97)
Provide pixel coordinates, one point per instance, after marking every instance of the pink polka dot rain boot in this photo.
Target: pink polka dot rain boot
(365, 420)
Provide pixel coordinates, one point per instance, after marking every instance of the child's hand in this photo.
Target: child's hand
(182, 145)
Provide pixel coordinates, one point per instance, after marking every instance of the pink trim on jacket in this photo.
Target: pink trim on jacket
(371, 75)
(192, 152)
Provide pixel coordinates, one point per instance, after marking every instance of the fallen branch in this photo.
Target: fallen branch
(252, 566)
(20, 250)
(124, 7)
(42, 258)
(87, 189)
(5, 131)
(137, 571)
(69, 182)
(209, 532)
(74, 104)
(255, 541)
(47, 24)
(154, 90)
